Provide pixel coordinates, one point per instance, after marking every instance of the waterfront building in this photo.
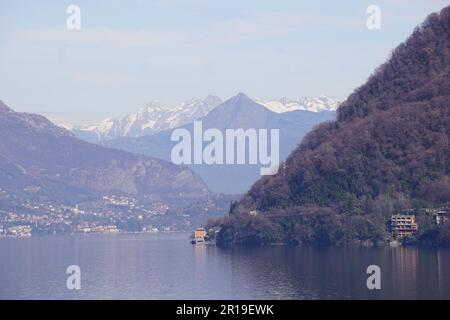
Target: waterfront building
(199, 235)
(402, 225)
(441, 216)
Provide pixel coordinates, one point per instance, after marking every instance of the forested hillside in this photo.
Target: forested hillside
(389, 150)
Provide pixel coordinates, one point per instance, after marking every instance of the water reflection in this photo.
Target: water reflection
(167, 266)
(340, 273)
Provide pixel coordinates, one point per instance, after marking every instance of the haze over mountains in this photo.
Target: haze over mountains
(314, 104)
(156, 117)
(239, 112)
(388, 151)
(40, 162)
(151, 119)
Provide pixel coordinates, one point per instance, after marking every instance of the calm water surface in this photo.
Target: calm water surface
(167, 266)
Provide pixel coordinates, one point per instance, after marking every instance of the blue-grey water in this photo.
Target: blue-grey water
(167, 266)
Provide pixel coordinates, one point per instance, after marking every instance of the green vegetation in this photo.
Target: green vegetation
(388, 151)
(438, 236)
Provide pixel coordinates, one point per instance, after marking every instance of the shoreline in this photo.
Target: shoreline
(87, 234)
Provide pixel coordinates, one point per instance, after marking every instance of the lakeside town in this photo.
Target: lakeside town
(157, 218)
(114, 214)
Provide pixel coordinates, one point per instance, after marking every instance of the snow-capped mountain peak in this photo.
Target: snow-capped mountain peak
(314, 104)
(155, 116)
(152, 118)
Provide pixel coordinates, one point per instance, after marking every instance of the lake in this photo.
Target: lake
(167, 266)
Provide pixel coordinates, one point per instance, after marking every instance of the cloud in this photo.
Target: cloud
(251, 27)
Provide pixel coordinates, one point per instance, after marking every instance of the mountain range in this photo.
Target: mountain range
(40, 162)
(151, 119)
(238, 112)
(388, 151)
(156, 117)
(312, 104)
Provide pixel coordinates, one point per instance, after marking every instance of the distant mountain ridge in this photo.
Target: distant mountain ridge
(151, 119)
(40, 162)
(238, 112)
(156, 117)
(312, 104)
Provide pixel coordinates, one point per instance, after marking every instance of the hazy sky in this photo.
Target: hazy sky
(130, 52)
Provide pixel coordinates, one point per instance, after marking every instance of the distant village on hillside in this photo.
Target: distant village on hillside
(72, 220)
